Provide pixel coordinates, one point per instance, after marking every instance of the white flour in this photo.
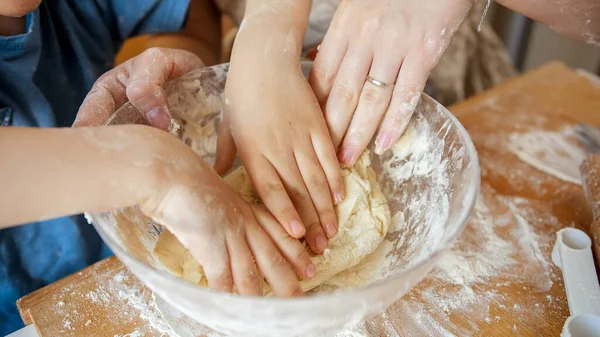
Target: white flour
(556, 153)
(143, 316)
(473, 275)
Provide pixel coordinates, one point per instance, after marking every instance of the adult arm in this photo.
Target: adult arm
(579, 19)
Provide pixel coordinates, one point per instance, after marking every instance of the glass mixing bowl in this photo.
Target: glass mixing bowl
(431, 180)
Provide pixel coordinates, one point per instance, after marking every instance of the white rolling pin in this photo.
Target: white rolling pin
(572, 253)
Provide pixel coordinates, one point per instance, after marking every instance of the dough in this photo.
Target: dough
(363, 216)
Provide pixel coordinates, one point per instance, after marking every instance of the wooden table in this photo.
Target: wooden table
(498, 280)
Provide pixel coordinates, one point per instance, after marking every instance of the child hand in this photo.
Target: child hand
(236, 243)
(375, 61)
(273, 118)
(139, 80)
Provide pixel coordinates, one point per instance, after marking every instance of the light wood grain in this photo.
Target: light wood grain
(550, 98)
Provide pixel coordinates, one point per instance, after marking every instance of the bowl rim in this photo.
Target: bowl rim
(470, 197)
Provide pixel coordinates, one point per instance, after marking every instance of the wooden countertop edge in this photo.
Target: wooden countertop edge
(27, 302)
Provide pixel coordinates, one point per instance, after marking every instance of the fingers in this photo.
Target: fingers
(149, 72)
(292, 249)
(275, 268)
(140, 80)
(245, 275)
(106, 96)
(214, 259)
(345, 91)
(273, 194)
(329, 55)
(407, 92)
(225, 146)
(327, 63)
(372, 105)
(330, 165)
(318, 189)
(294, 185)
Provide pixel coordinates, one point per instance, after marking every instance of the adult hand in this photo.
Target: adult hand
(373, 64)
(139, 80)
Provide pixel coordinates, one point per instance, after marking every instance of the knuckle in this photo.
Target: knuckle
(303, 257)
(343, 93)
(288, 211)
(250, 280)
(272, 188)
(398, 117)
(313, 228)
(298, 195)
(156, 53)
(279, 262)
(371, 25)
(136, 90)
(327, 213)
(322, 74)
(408, 103)
(289, 241)
(370, 96)
(238, 228)
(318, 181)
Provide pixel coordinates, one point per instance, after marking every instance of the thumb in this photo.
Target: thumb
(225, 147)
(149, 73)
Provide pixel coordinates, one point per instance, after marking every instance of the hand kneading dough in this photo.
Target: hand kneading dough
(363, 217)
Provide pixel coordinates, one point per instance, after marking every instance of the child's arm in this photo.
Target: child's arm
(277, 125)
(57, 172)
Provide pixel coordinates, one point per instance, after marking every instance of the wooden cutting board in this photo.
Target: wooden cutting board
(498, 280)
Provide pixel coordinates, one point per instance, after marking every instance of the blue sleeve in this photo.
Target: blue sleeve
(136, 17)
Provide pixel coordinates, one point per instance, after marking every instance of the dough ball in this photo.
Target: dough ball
(363, 217)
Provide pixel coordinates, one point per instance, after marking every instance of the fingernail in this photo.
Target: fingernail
(297, 229)
(346, 156)
(159, 118)
(331, 230)
(383, 143)
(320, 243)
(338, 197)
(311, 271)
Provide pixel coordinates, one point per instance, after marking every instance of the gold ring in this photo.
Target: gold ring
(378, 83)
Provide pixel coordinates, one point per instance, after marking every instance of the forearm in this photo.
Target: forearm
(272, 28)
(579, 19)
(201, 34)
(56, 172)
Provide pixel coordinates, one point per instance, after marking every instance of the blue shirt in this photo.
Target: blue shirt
(44, 76)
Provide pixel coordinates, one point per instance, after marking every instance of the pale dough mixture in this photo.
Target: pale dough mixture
(363, 216)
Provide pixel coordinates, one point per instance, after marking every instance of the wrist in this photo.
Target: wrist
(256, 54)
(152, 155)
